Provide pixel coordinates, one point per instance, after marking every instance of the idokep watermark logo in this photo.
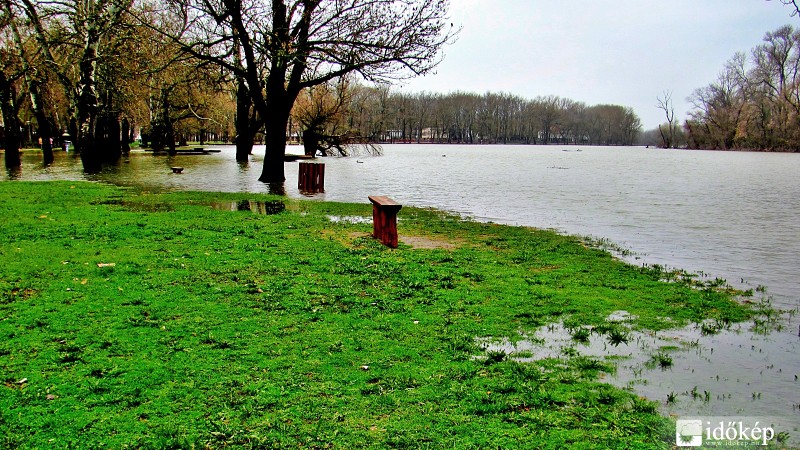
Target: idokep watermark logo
(722, 432)
(689, 433)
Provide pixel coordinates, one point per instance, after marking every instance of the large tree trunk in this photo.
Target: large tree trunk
(87, 106)
(86, 146)
(170, 133)
(10, 121)
(34, 88)
(107, 137)
(277, 117)
(311, 140)
(112, 150)
(162, 132)
(245, 140)
(279, 97)
(246, 129)
(44, 129)
(45, 133)
(275, 140)
(125, 144)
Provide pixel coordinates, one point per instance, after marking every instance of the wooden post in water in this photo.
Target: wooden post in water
(311, 177)
(384, 219)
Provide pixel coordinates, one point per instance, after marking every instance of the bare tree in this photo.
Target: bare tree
(321, 113)
(550, 115)
(793, 4)
(721, 106)
(9, 109)
(289, 45)
(71, 35)
(665, 104)
(755, 101)
(9, 73)
(34, 79)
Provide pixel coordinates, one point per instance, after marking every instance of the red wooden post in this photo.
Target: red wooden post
(311, 177)
(301, 176)
(384, 219)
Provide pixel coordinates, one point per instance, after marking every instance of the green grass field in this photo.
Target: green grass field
(138, 320)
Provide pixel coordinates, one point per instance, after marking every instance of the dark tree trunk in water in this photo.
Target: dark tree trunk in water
(44, 129)
(87, 105)
(158, 136)
(72, 129)
(162, 133)
(311, 142)
(45, 133)
(88, 148)
(279, 99)
(244, 146)
(10, 121)
(163, 136)
(125, 145)
(246, 129)
(170, 135)
(35, 91)
(275, 140)
(43, 124)
(107, 138)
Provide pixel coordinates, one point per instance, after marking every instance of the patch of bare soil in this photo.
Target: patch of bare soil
(427, 242)
(420, 242)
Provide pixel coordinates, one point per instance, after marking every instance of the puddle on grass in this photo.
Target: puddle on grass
(137, 206)
(349, 219)
(257, 207)
(741, 370)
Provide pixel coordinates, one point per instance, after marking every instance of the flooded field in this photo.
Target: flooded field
(726, 215)
(702, 370)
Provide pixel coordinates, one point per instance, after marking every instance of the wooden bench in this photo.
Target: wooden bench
(384, 219)
(177, 169)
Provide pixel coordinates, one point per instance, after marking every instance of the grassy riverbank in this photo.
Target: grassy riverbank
(156, 321)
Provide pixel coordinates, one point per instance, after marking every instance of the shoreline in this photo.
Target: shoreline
(191, 146)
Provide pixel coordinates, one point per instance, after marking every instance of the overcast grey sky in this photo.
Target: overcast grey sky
(625, 52)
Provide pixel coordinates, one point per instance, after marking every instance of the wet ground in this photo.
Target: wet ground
(702, 370)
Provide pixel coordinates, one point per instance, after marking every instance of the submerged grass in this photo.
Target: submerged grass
(131, 319)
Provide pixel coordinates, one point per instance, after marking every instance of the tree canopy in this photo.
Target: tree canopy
(277, 48)
(380, 114)
(755, 101)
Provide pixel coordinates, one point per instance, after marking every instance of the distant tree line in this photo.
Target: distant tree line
(755, 101)
(380, 114)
